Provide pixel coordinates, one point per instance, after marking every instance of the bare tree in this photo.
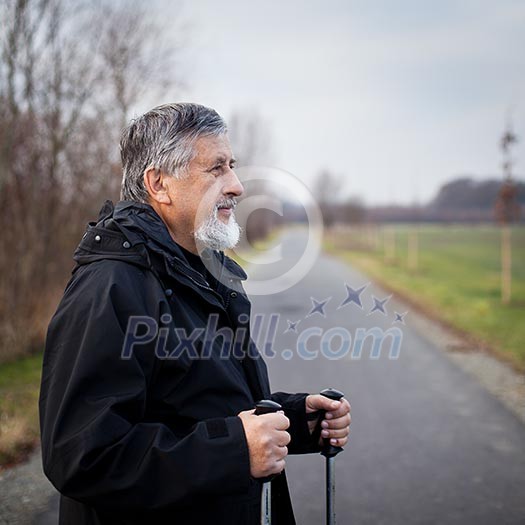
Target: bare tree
(64, 95)
(351, 211)
(327, 189)
(507, 211)
(136, 53)
(251, 138)
(251, 141)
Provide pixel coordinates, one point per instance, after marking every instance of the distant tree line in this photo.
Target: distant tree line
(461, 200)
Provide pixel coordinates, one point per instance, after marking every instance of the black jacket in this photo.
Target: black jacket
(152, 435)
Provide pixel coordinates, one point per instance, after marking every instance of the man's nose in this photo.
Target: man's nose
(233, 186)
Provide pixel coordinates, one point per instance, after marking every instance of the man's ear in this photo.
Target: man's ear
(156, 185)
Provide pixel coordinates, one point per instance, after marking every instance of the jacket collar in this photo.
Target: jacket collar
(144, 232)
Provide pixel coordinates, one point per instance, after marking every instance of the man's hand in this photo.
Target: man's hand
(336, 422)
(267, 439)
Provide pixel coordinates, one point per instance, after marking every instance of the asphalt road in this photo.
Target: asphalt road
(428, 444)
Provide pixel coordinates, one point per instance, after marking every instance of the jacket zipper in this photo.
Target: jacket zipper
(204, 287)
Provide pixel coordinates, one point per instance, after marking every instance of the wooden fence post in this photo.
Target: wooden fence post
(506, 264)
(390, 244)
(413, 260)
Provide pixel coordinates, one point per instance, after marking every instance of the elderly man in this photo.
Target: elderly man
(138, 428)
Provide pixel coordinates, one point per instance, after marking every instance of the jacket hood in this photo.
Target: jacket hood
(133, 232)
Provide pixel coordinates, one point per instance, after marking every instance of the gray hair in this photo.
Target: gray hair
(163, 139)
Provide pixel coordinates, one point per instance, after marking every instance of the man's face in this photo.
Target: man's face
(201, 209)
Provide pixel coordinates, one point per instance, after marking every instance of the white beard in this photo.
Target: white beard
(218, 235)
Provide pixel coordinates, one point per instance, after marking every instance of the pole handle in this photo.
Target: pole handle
(267, 406)
(328, 450)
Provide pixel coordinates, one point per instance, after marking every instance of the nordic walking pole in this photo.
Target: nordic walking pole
(329, 452)
(266, 406)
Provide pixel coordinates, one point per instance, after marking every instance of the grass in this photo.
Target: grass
(457, 277)
(19, 388)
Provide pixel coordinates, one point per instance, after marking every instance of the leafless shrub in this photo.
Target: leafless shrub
(69, 74)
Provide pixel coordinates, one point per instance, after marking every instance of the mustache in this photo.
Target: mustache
(228, 202)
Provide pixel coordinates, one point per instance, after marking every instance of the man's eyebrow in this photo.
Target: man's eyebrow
(222, 159)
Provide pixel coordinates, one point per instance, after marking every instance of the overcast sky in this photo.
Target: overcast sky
(397, 96)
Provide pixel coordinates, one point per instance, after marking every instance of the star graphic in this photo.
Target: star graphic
(318, 307)
(379, 305)
(400, 318)
(292, 326)
(353, 296)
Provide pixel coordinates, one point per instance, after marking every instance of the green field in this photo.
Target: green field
(457, 277)
(19, 387)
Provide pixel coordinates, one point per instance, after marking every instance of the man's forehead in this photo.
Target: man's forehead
(213, 148)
